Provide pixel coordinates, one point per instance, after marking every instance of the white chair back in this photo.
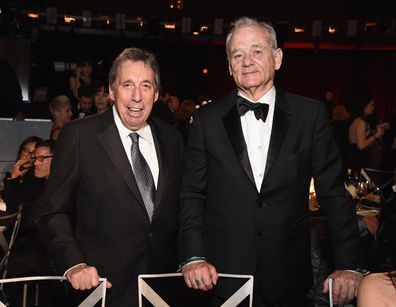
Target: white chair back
(98, 294)
(157, 301)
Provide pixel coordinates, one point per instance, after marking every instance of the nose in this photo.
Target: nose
(247, 60)
(136, 94)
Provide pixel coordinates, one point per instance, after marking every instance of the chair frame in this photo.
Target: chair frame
(146, 291)
(7, 246)
(98, 294)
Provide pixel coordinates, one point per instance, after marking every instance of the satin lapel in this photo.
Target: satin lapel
(110, 139)
(232, 124)
(163, 163)
(279, 130)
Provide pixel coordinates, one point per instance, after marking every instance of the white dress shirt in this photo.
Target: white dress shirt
(257, 136)
(146, 145)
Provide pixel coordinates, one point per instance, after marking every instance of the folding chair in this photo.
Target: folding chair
(6, 222)
(246, 290)
(7, 240)
(98, 294)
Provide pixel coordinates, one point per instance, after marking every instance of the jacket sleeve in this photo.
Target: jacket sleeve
(54, 209)
(338, 207)
(193, 194)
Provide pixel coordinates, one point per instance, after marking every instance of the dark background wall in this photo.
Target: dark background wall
(348, 73)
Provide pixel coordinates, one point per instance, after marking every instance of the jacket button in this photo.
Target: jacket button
(261, 204)
(260, 233)
(150, 234)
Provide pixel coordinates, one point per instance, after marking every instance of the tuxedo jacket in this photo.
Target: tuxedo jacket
(244, 231)
(92, 211)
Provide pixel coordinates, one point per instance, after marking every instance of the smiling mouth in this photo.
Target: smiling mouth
(134, 110)
(249, 72)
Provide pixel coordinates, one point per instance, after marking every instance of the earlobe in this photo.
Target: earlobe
(278, 58)
(156, 96)
(111, 94)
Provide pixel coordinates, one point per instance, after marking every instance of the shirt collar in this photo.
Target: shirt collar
(144, 132)
(268, 98)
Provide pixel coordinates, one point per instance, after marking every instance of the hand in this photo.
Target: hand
(379, 132)
(202, 104)
(371, 223)
(17, 171)
(84, 277)
(200, 275)
(384, 125)
(345, 286)
(197, 107)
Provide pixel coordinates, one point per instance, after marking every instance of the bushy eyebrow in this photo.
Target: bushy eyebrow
(252, 46)
(131, 81)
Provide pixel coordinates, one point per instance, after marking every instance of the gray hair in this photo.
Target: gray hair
(58, 103)
(246, 22)
(135, 55)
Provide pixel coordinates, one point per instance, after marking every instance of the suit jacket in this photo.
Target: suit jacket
(242, 231)
(92, 211)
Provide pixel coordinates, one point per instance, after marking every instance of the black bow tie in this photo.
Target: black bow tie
(260, 109)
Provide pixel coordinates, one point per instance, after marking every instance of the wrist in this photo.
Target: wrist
(191, 260)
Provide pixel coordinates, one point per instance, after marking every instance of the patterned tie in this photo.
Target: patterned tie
(260, 109)
(143, 175)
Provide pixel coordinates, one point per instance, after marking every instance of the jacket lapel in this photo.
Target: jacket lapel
(233, 127)
(163, 163)
(280, 126)
(111, 142)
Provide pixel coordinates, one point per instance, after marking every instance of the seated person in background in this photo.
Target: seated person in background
(83, 75)
(20, 184)
(85, 101)
(377, 290)
(42, 162)
(101, 98)
(60, 108)
(28, 257)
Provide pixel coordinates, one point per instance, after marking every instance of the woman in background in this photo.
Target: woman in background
(21, 178)
(101, 98)
(82, 76)
(361, 137)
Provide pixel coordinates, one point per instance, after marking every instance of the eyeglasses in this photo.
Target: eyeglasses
(27, 151)
(41, 158)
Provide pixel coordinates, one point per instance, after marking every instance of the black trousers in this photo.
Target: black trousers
(259, 300)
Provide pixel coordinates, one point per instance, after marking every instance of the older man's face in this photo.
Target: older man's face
(134, 93)
(252, 61)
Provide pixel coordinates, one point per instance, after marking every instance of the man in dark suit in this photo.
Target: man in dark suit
(95, 216)
(245, 186)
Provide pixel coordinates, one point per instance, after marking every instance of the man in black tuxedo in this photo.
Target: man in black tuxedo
(245, 187)
(95, 216)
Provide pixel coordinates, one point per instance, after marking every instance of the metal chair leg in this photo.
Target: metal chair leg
(24, 296)
(36, 294)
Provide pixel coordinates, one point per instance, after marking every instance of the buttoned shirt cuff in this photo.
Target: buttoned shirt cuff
(363, 272)
(191, 260)
(74, 266)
